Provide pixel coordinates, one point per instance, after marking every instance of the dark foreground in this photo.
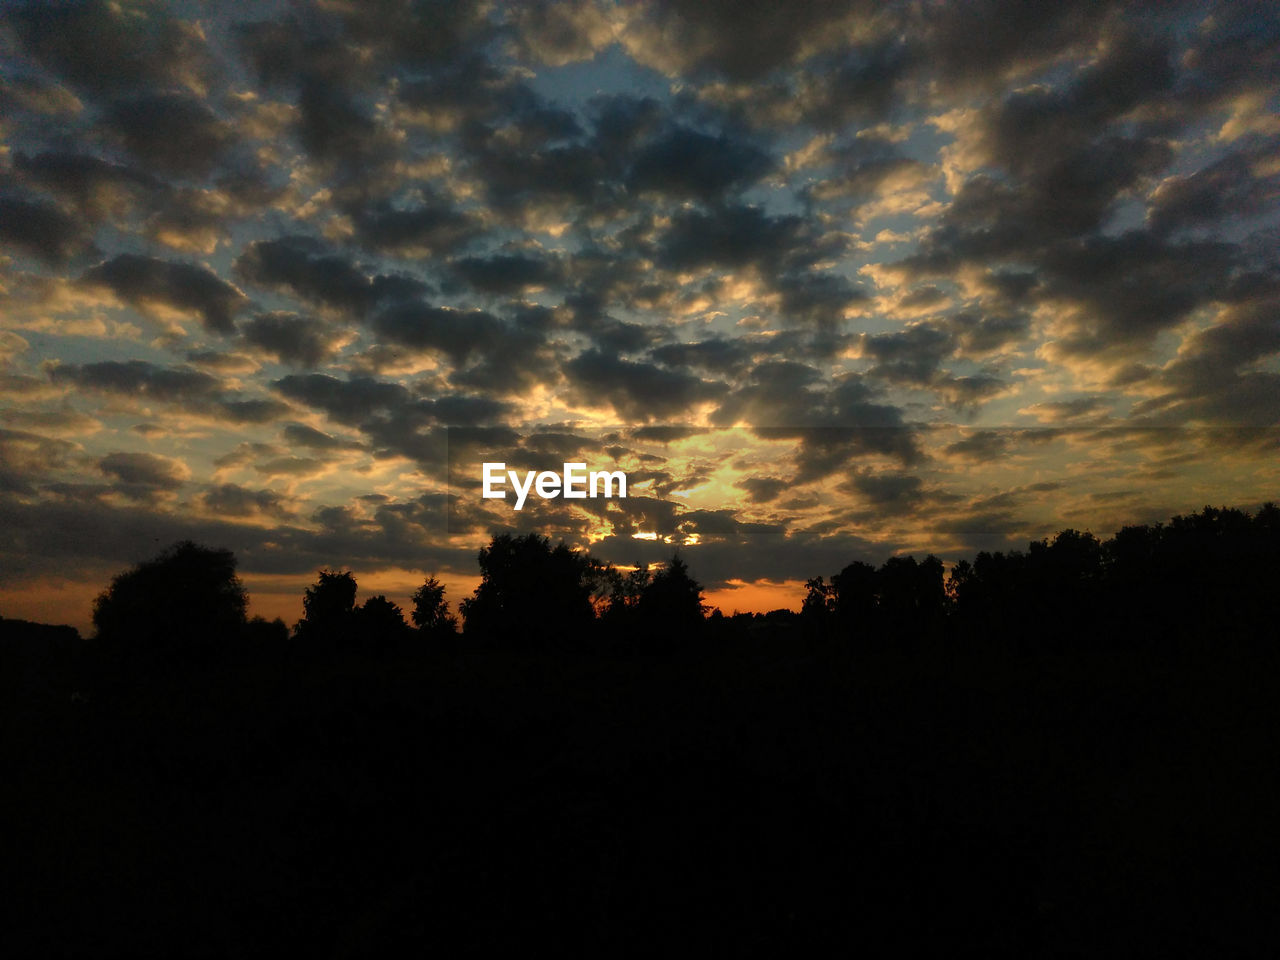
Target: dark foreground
(764, 795)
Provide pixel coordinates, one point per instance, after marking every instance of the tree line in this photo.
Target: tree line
(1217, 565)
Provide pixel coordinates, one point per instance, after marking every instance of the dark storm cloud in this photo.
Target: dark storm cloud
(28, 458)
(173, 134)
(912, 356)
(514, 364)
(717, 355)
(329, 59)
(506, 273)
(987, 333)
(981, 446)
(300, 435)
(252, 411)
(106, 48)
(742, 236)
(468, 410)
(557, 32)
(983, 42)
(290, 338)
(889, 493)
(689, 163)
(1067, 154)
(763, 489)
(233, 500)
(617, 336)
(45, 536)
(42, 231)
(1226, 189)
(140, 281)
(1211, 381)
(456, 333)
(144, 470)
(346, 401)
(861, 167)
(182, 387)
(831, 423)
(561, 175)
(34, 95)
(741, 41)
(308, 269)
(637, 391)
(434, 228)
(335, 127)
(139, 378)
(858, 84)
(815, 298)
(1133, 286)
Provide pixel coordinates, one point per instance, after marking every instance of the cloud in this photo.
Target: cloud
(1226, 189)
(232, 500)
(145, 470)
(95, 187)
(1061, 411)
(112, 47)
(146, 281)
(637, 391)
(300, 435)
(42, 231)
(458, 334)
(139, 378)
(422, 230)
(557, 33)
(29, 458)
(186, 389)
(735, 40)
(980, 446)
(506, 273)
(763, 489)
(691, 164)
(1214, 378)
(292, 339)
(892, 493)
(346, 401)
(175, 134)
(306, 268)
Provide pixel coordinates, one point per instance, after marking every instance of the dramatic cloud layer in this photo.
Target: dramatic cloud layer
(830, 281)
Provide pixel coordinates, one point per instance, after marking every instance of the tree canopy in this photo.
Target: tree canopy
(187, 596)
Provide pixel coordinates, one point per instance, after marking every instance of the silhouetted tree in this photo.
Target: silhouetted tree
(328, 607)
(854, 596)
(819, 601)
(379, 624)
(672, 601)
(625, 590)
(431, 611)
(530, 591)
(181, 603)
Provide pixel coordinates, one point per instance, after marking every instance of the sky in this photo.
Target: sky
(830, 281)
